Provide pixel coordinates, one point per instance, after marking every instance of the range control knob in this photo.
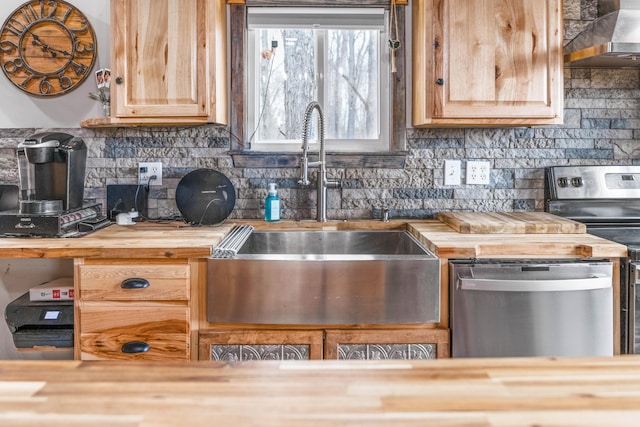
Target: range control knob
(563, 182)
(576, 181)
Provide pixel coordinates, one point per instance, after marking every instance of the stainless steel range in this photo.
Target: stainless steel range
(607, 200)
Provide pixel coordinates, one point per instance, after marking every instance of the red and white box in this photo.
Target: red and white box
(60, 289)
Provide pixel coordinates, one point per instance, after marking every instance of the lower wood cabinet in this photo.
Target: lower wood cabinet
(243, 345)
(145, 309)
(133, 310)
(354, 344)
(386, 344)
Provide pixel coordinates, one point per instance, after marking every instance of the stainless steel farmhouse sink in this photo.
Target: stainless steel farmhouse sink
(325, 277)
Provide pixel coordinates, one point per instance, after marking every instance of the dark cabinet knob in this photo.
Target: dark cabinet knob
(133, 347)
(119, 80)
(135, 283)
(440, 81)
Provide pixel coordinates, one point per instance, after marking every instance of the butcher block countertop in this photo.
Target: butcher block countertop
(446, 392)
(141, 240)
(445, 242)
(178, 240)
(510, 222)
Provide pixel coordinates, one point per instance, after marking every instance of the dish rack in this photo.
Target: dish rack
(232, 242)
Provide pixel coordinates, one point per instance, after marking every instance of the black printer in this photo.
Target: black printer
(40, 323)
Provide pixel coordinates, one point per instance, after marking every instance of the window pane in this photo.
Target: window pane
(286, 82)
(351, 84)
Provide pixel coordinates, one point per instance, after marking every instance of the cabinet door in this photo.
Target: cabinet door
(386, 344)
(242, 345)
(168, 59)
(487, 62)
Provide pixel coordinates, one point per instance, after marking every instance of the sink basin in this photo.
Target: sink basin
(325, 244)
(327, 278)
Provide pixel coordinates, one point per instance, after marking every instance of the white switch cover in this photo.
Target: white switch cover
(478, 172)
(452, 172)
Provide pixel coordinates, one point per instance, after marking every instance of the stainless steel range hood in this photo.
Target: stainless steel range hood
(611, 41)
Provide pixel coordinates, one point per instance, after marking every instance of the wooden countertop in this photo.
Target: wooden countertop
(510, 222)
(445, 242)
(141, 240)
(446, 392)
(177, 240)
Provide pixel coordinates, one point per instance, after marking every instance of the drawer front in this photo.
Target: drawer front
(160, 282)
(134, 333)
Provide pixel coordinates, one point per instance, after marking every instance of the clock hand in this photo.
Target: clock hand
(37, 41)
(64, 52)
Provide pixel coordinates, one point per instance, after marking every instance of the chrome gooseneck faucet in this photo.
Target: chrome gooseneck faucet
(323, 183)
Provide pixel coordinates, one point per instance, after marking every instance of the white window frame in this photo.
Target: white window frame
(259, 17)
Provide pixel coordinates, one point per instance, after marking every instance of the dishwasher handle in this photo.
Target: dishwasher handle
(557, 285)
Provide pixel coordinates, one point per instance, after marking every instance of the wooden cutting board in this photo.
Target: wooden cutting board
(510, 222)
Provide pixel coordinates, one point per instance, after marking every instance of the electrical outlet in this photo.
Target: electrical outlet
(478, 172)
(148, 169)
(452, 172)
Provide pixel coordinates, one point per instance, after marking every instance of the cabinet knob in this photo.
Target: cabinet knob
(135, 283)
(133, 347)
(119, 80)
(440, 81)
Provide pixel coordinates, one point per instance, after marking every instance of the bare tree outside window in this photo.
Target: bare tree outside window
(286, 82)
(351, 102)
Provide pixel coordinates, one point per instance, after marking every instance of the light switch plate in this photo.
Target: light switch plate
(478, 172)
(452, 172)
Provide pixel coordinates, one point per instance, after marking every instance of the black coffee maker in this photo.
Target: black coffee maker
(51, 167)
(49, 202)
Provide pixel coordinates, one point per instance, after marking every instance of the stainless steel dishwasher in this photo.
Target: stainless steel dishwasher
(508, 308)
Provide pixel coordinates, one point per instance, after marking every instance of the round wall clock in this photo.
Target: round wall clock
(47, 47)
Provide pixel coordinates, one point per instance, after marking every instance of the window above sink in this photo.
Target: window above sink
(252, 147)
(337, 57)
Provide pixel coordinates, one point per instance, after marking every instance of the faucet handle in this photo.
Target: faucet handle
(333, 183)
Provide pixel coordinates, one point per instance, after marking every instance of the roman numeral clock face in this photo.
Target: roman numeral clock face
(47, 47)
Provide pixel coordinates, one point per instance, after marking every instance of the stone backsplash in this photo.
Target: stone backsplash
(601, 126)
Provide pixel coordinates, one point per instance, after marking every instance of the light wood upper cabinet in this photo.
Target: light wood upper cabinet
(168, 63)
(487, 62)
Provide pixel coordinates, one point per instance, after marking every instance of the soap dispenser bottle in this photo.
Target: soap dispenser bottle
(272, 204)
